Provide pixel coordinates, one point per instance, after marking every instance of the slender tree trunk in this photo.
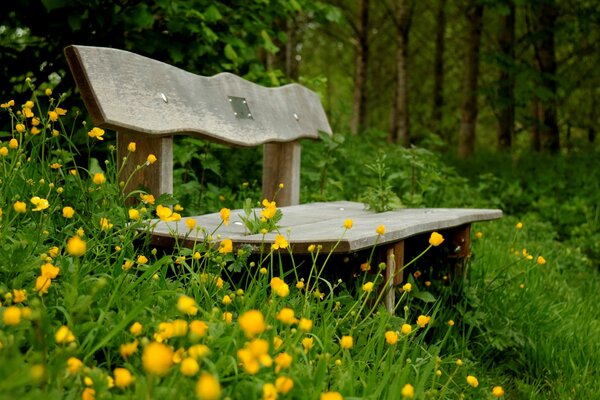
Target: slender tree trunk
(360, 69)
(535, 126)
(592, 117)
(291, 64)
(469, 108)
(506, 111)
(438, 73)
(400, 118)
(544, 19)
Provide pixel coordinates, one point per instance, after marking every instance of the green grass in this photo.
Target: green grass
(526, 326)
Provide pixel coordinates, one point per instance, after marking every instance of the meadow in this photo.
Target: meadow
(89, 309)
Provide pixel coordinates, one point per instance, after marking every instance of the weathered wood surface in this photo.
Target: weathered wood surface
(281, 164)
(127, 92)
(322, 224)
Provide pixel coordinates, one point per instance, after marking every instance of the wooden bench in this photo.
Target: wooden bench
(148, 102)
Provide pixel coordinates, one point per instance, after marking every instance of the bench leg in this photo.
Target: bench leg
(156, 178)
(281, 164)
(393, 273)
(460, 240)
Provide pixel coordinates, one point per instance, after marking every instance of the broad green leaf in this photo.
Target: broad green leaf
(230, 52)
(212, 14)
(268, 43)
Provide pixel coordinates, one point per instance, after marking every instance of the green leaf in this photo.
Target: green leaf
(268, 43)
(424, 296)
(55, 4)
(212, 14)
(230, 52)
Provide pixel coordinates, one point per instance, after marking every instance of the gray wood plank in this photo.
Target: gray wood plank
(322, 223)
(131, 93)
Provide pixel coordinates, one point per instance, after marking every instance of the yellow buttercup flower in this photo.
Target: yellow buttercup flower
(226, 246)
(74, 365)
(423, 320)
(331, 396)
(435, 239)
(269, 210)
(49, 271)
(11, 316)
(280, 287)
(99, 178)
(282, 361)
(348, 224)
(13, 144)
(380, 230)
(407, 287)
(134, 214)
(76, 246)
(53, 116)
(307, 343)
(128, 349)
(190, 223)
(519, 225)
(283, 384)
(151, 159)
(189, 366)
(64, 335)
(391, 337)
(131, 147)
(157, 358)
(166, 214)
(60, 111)
(280, 243)
(187, 305)
(20, 207)
(471, 380)
(541, 260)
(3, 151)
(408, 391)
(346, 342)
(252, 323)
(105, 224)
(19, 296)
(96, 133)
(269, 392)
(122, 378)
(42, 284)
(208, 387)
(39, 203)
(136, 328)
(368, 287)
(225, 213)
(497, 391)
(406, 329)
(305, 325)
(286, 316)
(20, 128)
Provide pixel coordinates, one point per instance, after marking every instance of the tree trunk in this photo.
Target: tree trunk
(438, 65)
(506, 111)
(291, 64)
(535, 126)
(544, 19)
(469, 109)
(400, 118)
(359, 105)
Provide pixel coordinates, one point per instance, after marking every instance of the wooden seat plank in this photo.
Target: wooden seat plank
(322, 223)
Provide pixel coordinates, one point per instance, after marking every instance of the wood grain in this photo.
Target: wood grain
(281, 164)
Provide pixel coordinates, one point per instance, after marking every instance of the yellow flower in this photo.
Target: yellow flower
(269, 210)
(286, 316)
(166, 214)
(99, 178)
(76, 246)
(187, 305)
(283, 360)
(497, 391)
(74, 365)
(471, 380)
(391, 337)
(283, 384)
(208, 387)
(519, 225)
(408, 391)
(423, 320)
(407, 287)
(141, 259)
(478, 234)
(227, 317)
(151, 159)
(406, 329)
(190, 223)
(88, 394)
(19, 296)
(131, 147)
(450, 322)
(35, 121)
(280, 243)
(346, 342)
(307, 343)
(305, 325)
(198, 328)
(11, 316)
(225, 214)
(42, 284)
(368, 287)
(280, 287)
(541, 260)
(459, 362)
(136, 328)
(189, 366)
(123, 378)
(380, 230)
(331, 396)
(8, 104)
(226, 246)
(157, 358)
(64, 335)
(252, 323)
(49, 271)
(20, 206)
(48, 92)
(311, 248)
(20, 128)
(348, 224)
(147, 198)
(35, 131)
(96, 133)
(128, 349)
(39, 203)
(300, 285)
(198, 351)
(13, 144)
(52, 116)
(3, 151)
(60, 111)
(105, 224)
(269, 392)
(435, 239)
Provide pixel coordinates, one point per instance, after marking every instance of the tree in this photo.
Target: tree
(361, 64)
(469, 107)
(506, 81)
(438, 75)
(400, 117)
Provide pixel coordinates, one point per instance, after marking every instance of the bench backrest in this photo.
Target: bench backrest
(148, 102)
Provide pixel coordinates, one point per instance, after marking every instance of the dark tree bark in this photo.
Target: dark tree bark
(544, 14)
(506, 109)
(400, 118)
(469, 107)
(360, 69)
(291, 64)
(438, 73)
(535, 126)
